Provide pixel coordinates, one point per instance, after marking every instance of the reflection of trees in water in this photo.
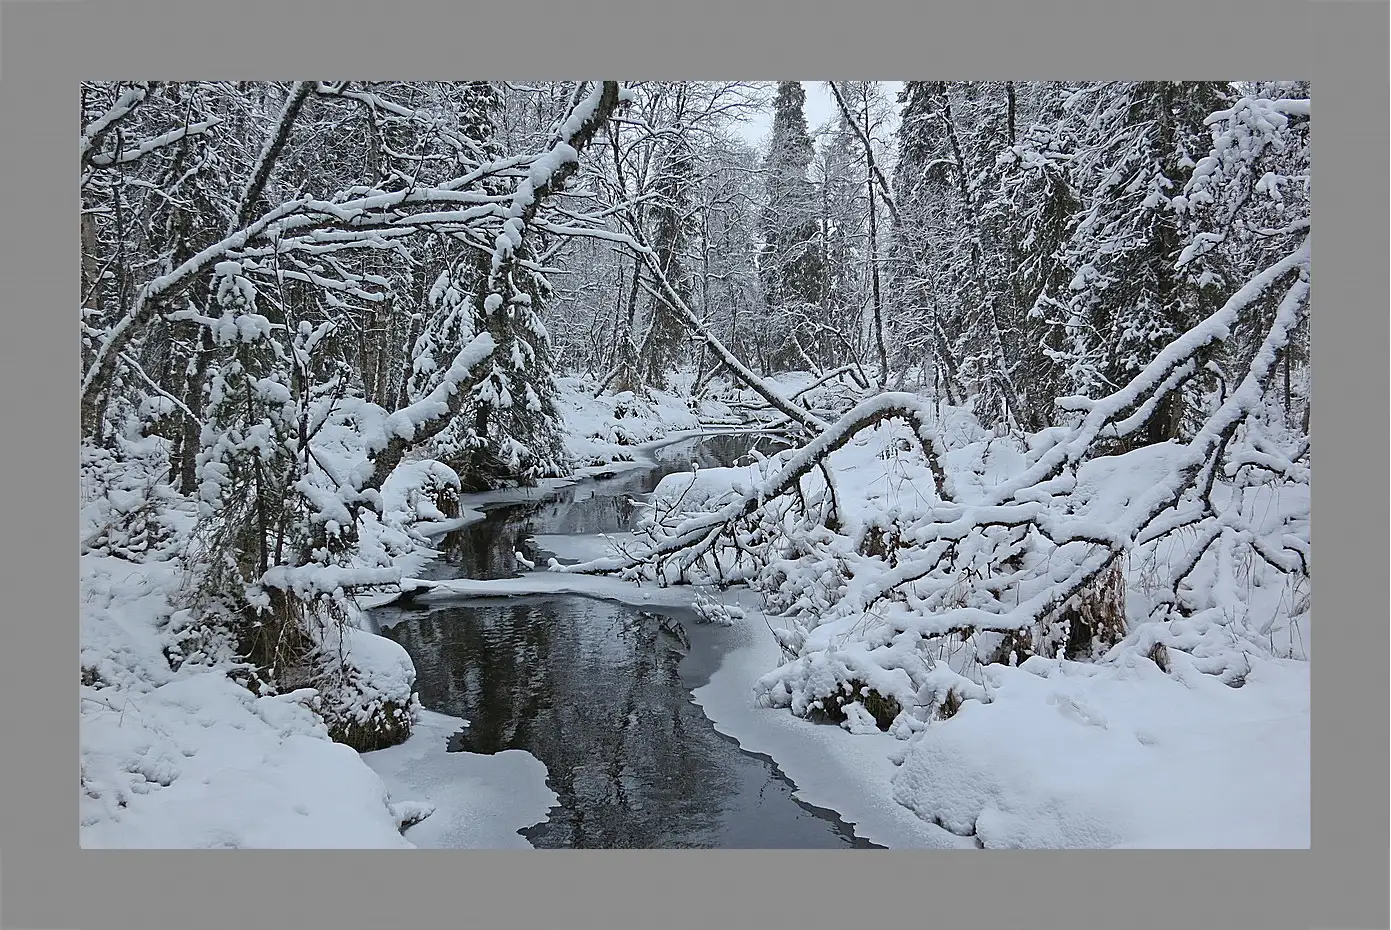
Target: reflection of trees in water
(628, 772)
(593, 690)
(484, 549)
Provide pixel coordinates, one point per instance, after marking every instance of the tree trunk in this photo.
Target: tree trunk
(193, 400)
(874, 261)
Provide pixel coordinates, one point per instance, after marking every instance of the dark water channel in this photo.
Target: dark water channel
(598, 691)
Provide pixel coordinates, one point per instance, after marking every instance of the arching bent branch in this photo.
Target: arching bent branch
(1058, 536)
(292, 224)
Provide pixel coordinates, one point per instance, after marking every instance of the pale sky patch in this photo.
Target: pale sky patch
(820, 108)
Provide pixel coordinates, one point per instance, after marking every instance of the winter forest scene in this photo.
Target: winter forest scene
(719, 464)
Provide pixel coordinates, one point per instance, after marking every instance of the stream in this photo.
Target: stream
(599, 691)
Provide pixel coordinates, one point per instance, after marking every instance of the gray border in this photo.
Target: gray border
(48, 883)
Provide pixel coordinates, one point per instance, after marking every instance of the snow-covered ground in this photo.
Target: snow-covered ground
(1065, 754)
(187, 757)
(851, 775)
(608, 428)
(1074, 755)
(192, 759)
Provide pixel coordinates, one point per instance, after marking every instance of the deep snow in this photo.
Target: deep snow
(1065, 755)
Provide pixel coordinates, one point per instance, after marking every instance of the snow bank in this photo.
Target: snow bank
(1071, 755)
(473, 801)
(1192, 730)
(180, 755)
(190, 758)
(851, 775)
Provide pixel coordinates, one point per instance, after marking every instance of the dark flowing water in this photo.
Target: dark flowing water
(601, 692)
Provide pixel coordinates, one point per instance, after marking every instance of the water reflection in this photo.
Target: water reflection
(601, 692)
(597, 692)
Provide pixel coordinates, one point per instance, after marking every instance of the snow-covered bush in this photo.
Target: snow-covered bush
(371, 682)
(276, 555)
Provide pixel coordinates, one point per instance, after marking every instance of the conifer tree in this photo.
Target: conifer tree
(792, 255)
(669, 220)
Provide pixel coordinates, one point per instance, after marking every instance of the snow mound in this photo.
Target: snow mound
(476, 801)
(1078, 756)
(176, 754)
(192, 759)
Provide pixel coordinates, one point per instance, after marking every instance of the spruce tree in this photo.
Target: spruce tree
(792, 255)
(952, 284)
(669, 221)
(1036, 203)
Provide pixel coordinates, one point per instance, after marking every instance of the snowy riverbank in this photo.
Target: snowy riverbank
(1064, 755)
(1210, 752)
(189, 758)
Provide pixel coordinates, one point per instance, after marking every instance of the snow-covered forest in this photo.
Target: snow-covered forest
(960, 440)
